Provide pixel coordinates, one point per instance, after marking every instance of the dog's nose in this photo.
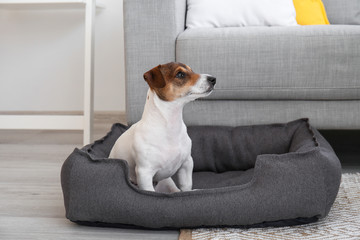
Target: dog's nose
(211, 80)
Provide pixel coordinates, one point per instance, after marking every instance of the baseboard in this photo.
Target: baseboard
(100, 117)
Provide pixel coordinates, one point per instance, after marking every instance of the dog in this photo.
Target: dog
(158, 146)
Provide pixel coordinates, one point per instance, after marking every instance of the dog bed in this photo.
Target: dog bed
(248, 176)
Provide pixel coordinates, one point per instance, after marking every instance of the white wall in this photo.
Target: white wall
(41, 58)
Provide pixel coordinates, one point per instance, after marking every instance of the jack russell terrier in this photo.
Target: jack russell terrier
(158, 146)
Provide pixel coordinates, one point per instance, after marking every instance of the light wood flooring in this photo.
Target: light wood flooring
(31, 202)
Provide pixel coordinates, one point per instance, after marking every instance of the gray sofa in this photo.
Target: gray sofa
(264, 74)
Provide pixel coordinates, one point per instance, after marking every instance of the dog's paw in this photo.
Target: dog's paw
(162, 187)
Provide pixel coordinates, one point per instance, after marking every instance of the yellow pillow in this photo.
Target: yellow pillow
(310, 12)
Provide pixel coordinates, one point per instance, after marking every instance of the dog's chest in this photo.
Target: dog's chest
(172, 159)
(168, 154)
(161, 149)
(174, 150)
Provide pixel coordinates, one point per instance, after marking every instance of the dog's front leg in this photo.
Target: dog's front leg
(185, 174)
(144, 179)
(166, 185)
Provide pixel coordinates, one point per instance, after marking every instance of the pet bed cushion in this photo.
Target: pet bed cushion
(263, 175)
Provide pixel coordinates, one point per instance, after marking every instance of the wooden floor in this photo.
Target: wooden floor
(31, 202)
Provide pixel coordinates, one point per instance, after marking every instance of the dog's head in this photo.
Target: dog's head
(174, 80)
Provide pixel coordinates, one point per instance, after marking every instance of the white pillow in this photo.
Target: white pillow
(240, 13)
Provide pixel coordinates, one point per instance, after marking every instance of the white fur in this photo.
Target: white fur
(158, 146)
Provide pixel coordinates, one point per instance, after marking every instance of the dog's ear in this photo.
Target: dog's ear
(155, 78)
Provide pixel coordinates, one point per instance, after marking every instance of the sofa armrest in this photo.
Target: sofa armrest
(151, 28)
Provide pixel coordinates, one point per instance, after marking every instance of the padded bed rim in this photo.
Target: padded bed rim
(258, 166)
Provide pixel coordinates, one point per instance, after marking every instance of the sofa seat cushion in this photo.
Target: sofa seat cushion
(294, 63)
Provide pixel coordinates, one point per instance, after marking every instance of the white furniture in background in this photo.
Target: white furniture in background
(63, 122)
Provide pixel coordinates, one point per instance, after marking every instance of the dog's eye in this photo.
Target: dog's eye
(180, 75)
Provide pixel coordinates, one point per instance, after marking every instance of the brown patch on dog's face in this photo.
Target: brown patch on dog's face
(171, 81)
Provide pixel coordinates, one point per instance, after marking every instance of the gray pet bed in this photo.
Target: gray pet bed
(249, 176)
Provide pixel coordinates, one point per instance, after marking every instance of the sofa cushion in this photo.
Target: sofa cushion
(343, 12)
(234, 13)
(303, 63)
(310, 12)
